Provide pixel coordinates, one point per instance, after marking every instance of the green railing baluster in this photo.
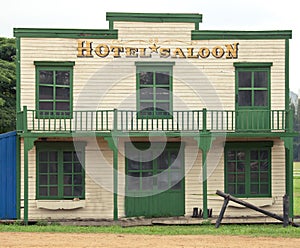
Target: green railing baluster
(204, 120)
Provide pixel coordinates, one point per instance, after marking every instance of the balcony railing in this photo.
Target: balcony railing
(127, 120)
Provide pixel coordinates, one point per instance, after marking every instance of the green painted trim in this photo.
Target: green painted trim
(66, 33)
(113, 145)
(240, 35)
(252, 64)
(154, 17)
(18, 172)
(54, 63)
(247, 147)
(287, 75)
(28, 145)
(18, 74)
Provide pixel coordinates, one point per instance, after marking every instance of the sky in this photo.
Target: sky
(217, 15)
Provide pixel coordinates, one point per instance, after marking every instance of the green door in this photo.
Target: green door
(253, 96)
(154, 179)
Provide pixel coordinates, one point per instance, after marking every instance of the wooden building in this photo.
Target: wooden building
(150, 117)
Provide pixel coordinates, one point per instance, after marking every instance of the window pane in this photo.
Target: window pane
(77, 168)
(231, 167)
(254, 189)
(147, 181)
(147, 165)
(244, 98)
(46, 77)
(163, 161)
(260, 79)
(241, 155)
(43, 156)
(241, 167)
(67, 156)
(77, 179)
(175, 160)
(53, 168)
(264, 189)
(43, 191)
(133, 181)
(43, 179)
(68, 179)
(78, 190)
(133, 165)
(146, 93)
(46, 92)
(53, 156)
(68, 191)
(264, 177)
(162, 94)
(264, 155)
(264, 166)
(68, 168)
(231, 155)
(162, 78)
(254, 155)
(62, 106)
(244, 79)
(241, 189)
(53, 191)
(53, 180)
(254, 166)
(62, 93)
(241, 178)
(43, 168)
(162, 108)
(162, 181)
(231, 189)
(260, 98)
(63, 77)
(146, 78)
(46, 106)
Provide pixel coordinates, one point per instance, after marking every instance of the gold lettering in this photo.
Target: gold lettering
(84, 49)
(232, 51)
(204, 52)
(131, 52)
(164, 52)
(143, 53)
(218, 52)
(117, 50)
(191, 54)
(102, 50)
(178, 52)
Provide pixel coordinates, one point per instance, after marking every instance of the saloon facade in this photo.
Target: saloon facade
(150, 117)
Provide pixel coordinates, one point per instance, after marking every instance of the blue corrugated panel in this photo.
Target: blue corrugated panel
(8, 166)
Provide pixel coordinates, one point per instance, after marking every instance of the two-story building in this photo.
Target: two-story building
(150, 117)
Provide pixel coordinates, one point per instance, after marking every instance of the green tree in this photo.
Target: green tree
(7, 84)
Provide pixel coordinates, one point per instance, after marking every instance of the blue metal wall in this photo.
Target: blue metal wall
(8, 174)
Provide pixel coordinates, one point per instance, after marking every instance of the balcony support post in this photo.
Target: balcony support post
(113, 145)
(28, 145)
(204, 141)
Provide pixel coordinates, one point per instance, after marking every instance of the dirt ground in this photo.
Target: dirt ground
(10, 239)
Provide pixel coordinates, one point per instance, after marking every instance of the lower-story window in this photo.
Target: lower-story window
(248, 169)
(60, 170)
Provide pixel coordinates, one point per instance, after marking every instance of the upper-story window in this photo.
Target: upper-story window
(54, 89)
(253, 84)
(154, 89)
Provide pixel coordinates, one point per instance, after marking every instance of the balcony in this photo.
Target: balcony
(100, 121)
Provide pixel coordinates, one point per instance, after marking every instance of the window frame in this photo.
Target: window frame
(247, 147)
(60, 148)
(54, 66)
(253, 67)
(154, 67)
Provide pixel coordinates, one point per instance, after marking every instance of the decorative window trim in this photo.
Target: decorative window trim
(60, 147)
(54, 66)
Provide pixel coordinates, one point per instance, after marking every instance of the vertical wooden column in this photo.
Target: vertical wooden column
(113, 144)
(204, 141)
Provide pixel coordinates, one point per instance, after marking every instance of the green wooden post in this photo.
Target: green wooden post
(28, 145)
(113, 144)
(25, 119)
(204, 141)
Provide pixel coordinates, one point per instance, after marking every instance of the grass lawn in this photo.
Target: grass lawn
(248, 230)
